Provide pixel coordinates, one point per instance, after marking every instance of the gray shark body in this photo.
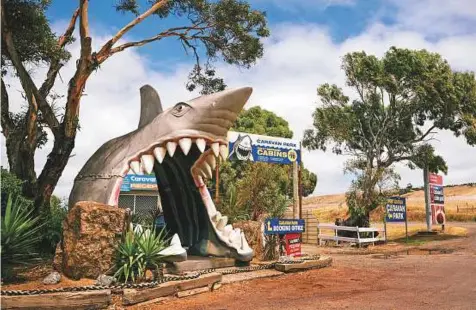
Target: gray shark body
(181, 145)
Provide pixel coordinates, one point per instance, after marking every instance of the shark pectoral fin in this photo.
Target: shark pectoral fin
(150, 105)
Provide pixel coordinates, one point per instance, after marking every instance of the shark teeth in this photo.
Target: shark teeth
(207, 170)
(171, 147)
(135, 166)
(147, 162)
(224, 152)
(211, 161)
(216, 148)
(185, 145)
(201, 144)
(159, 153)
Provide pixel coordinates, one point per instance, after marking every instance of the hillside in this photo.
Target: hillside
(460, 204)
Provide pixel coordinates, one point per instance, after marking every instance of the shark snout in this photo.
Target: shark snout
(233, 100)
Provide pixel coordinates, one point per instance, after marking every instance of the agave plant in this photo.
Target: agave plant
(20, 233)
(139, 252)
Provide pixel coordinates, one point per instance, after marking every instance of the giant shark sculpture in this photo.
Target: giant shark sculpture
(199, 127)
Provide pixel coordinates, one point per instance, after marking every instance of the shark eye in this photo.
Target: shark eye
(180, 109)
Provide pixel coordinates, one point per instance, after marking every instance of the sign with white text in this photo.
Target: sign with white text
(396, 209)
(283, 226)
(250, 147)
(133, 182)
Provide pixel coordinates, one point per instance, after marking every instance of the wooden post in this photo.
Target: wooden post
(385, 225)
(358, 236)
(295, 191)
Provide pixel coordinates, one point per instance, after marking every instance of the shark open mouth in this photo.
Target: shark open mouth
(188, 208)
(181, 146)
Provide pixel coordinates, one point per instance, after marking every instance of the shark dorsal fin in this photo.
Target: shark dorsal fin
(150, 105)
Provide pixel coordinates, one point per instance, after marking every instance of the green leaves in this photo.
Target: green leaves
(229, 30)
(20, 233)
(400, 99)
(139, 252)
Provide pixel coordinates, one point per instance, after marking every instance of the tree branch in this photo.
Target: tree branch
(25, 79)
(106, 48)
(425, 134)
(83, 70)
(7, 123)
(55, 64)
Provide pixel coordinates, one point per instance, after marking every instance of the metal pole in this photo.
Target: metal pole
(385, 224)
(427, 198)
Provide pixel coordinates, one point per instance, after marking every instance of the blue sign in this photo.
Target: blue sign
(139, 182)
(396, 209)
(250, 147)
(283, 226)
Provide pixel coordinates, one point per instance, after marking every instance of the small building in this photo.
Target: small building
(140, 194)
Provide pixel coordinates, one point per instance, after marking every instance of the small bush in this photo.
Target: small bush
(52, 231)
(139, 252)
(20, 235)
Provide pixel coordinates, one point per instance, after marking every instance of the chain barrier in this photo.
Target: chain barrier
(163, 279)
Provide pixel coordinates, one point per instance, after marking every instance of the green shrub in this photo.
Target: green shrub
(139, 252)
(20, 234)
(52, 230)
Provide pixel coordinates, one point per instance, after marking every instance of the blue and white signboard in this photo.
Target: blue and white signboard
(396, 209)
(250, 147)
(139, 183)
(283, 226)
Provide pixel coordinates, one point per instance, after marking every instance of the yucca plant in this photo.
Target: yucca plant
(20, 234)
(139, 252)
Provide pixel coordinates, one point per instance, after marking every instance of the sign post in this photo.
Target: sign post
(396, 211)
(291, 229)
(437, 200)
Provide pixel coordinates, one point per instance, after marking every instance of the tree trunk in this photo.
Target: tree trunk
(53, 169)
(22, 163)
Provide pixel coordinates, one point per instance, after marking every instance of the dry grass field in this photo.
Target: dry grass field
(460, 205)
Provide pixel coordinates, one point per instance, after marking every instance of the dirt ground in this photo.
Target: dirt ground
(438, 281)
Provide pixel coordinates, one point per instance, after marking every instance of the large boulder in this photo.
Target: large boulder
(254, 236)
(91, 233)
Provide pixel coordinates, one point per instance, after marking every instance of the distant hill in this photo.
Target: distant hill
(460, 204)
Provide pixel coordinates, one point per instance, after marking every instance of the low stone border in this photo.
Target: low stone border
(308, 264)
(71, 300)
(133, 296)
(102, 298)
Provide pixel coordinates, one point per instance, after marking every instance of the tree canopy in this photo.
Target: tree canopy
(250, 190)
(226, 30)
(400, 100)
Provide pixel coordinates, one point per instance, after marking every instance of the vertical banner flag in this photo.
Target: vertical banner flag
(250, 147)
(437, 199)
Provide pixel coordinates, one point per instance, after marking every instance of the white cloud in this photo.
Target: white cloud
(297, 59)
(435, 17)
(293, 6)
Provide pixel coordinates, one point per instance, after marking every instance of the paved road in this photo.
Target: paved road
(443, 281)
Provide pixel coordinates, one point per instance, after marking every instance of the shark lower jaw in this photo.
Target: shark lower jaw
(181, 168)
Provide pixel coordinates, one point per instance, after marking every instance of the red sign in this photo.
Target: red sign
(293, 244)
(435, 179)
(438, 214)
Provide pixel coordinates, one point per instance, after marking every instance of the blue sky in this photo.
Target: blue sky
(343, 19)
(308, 39)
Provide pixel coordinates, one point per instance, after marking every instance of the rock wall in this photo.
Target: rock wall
(91, 233)
(254, 236)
